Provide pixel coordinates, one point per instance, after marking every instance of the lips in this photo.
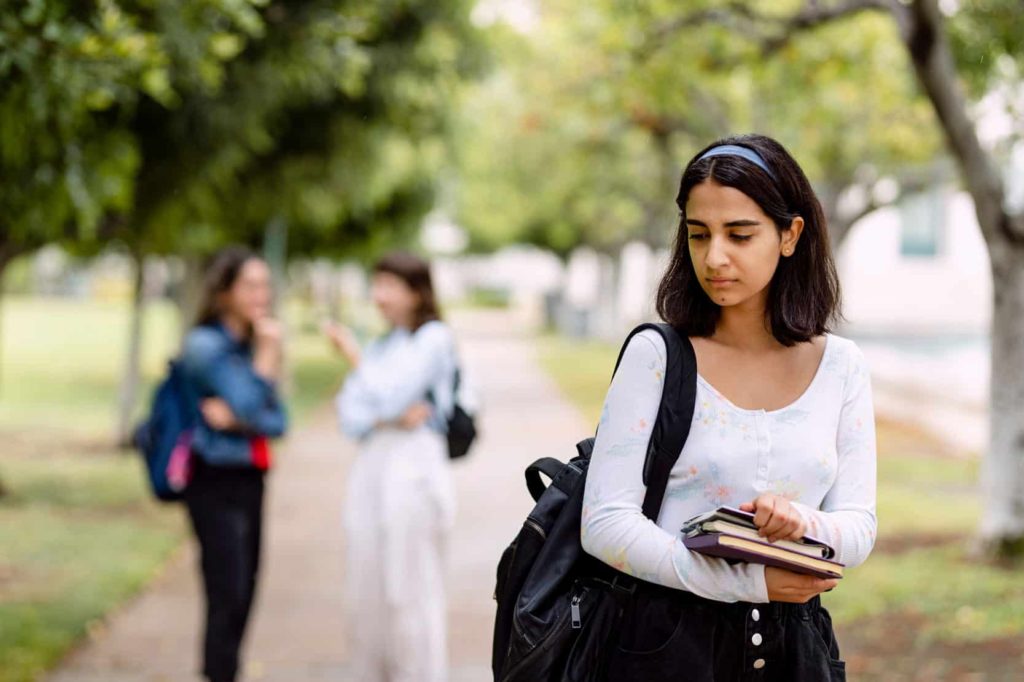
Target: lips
(720, 282)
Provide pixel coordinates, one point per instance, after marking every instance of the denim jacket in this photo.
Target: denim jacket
(220, 366)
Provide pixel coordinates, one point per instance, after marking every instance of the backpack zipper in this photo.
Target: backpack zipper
(574, 609)
(534, 652)
(537, 527)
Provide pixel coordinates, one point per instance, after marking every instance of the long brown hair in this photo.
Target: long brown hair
(415, 272)
(221, 274)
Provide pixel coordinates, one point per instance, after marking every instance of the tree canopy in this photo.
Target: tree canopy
(581, 136)
(179, 126)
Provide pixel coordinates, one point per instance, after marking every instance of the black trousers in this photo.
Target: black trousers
(226, 508)
(674, 635)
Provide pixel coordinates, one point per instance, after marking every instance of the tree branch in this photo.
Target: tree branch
(813, 15)
(772, 32)
(735, 15)
(840, 222)
(921, 25)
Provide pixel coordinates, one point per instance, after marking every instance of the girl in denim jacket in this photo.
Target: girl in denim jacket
(232, 358)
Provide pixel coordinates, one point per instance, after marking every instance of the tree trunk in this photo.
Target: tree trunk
(1002, 530)
(275, 252)
(661, 225)
(837, 226)
(189, 291)
(923, 30)
(131, 376)
(4, 260)
(7, 255)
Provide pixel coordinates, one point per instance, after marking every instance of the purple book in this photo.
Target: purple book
(752, 551)
(737, 516)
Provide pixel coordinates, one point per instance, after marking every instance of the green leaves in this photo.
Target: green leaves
(189, 123)
(582, 136)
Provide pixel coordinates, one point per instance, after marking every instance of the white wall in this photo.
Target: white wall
(886, 292)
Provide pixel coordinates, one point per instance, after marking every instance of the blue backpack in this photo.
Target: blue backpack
(164, 439)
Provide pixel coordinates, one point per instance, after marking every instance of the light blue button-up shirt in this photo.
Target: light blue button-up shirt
(395, 372)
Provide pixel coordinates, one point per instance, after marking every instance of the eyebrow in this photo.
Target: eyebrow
(731, 223)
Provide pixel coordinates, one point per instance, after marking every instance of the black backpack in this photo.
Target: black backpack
(462, 430)
(557, 605)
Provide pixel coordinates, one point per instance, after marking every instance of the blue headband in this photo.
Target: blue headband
(742, 152)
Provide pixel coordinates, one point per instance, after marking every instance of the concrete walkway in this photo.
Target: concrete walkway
(299, 633)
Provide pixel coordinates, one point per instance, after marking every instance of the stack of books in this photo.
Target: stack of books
(731, 534)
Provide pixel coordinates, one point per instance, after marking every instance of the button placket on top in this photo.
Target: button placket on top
(762, 424)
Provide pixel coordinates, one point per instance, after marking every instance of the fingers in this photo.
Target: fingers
(795, 588)
(416, 416)
(787, 526)
(765, 505)
(267, 329)
(330, 330)
(778, 525)
(424, 412)
(216, 413)
(796, 527)
(776, 518)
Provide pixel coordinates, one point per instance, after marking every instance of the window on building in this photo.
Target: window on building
(923, 224)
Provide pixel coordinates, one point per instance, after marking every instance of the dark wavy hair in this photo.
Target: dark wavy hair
(221, 274)
(804, 298)
(415, 272)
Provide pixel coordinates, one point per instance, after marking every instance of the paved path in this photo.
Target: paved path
(298, 634)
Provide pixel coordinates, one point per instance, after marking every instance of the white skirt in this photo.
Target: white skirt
(398, 514)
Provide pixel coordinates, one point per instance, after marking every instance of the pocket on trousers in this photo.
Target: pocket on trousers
(650, 623)
(663, 639)
(821, 624)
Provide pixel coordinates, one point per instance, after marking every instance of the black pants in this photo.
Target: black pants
(673, 635)
(226, 508)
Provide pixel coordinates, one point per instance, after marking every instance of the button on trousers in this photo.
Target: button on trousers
(673, 635)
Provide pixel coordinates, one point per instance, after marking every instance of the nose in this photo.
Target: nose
(716, 256)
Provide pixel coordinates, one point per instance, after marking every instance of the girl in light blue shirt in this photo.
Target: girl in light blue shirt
(400, 502)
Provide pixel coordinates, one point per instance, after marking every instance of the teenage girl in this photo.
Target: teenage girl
(783, 427)
(232, 358)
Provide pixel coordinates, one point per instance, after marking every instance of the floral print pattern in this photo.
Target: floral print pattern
(818, 452)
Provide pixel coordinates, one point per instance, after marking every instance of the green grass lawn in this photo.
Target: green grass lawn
(79, 533)
(928, 504)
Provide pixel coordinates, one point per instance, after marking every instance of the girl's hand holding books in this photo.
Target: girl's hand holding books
(776, 518)
(795, 588)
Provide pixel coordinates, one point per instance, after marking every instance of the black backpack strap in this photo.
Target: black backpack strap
(672, 426)
(550, 467)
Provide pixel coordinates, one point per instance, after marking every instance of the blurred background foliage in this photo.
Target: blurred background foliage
(332, 129)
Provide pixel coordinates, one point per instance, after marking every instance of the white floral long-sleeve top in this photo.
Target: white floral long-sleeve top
(819, 452)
